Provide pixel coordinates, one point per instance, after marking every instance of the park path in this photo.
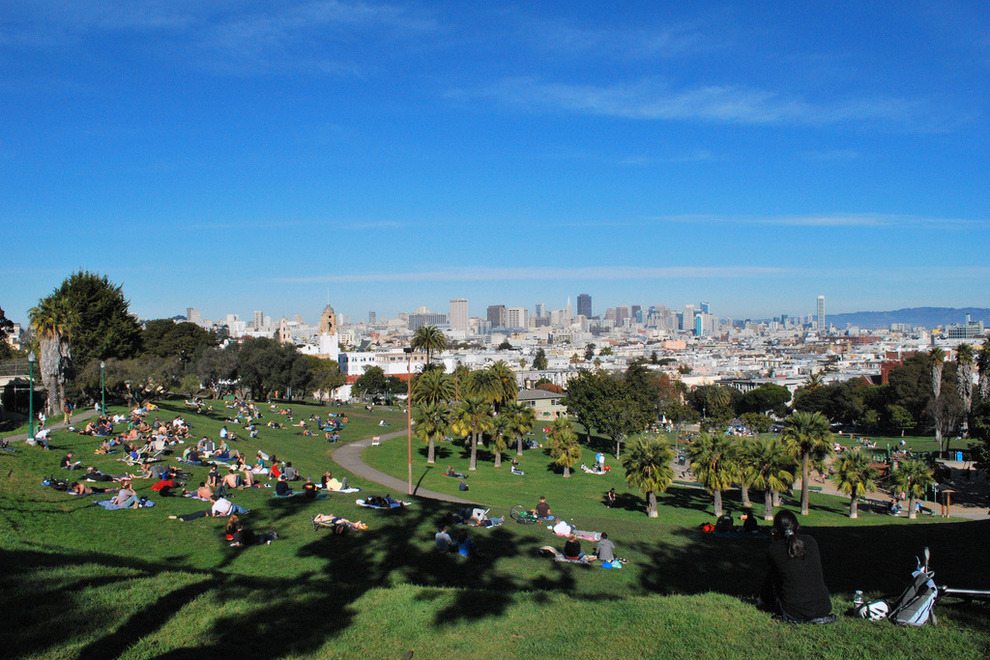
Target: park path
(349, 457)
(76, 417)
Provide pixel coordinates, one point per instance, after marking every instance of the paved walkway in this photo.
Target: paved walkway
(76, 417)
(348, 456)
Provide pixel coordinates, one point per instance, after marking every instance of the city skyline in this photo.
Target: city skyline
(267, 156)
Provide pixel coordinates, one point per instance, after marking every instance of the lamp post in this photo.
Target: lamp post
(408, 351)
(31, 395)
(103, 389)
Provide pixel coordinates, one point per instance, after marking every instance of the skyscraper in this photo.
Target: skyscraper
(584, 305)
(515, 317)
(496, 315)
(821, 315)
(259, 319)
(459, 314)
(687, 319)
(192, 315)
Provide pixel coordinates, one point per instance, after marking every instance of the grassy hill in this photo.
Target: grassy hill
(77, 581)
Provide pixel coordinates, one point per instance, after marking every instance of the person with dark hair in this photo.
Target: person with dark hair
(795, 584)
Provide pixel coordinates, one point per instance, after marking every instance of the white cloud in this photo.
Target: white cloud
(656, 100)
(832, 220)
(527, 273)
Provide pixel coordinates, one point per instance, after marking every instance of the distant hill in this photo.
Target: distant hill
(928, 317)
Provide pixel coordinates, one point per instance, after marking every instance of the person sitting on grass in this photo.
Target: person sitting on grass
(282, 487)
(610, 498)
(444, 542)
(68, 464)
(542, 510)
(309, 490)
(605, 551)
(794, 588)
(451, 472)
(750, 524)
(232, 479)
(572, 549)
(291, 473)
(125, 497)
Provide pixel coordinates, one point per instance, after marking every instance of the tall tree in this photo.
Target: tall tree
(564, 447)
(500, 430)
(326, 377)
(472, 418)
(854, 477)
(540, 360)
(430, 339)
(6, 328)
(371, 383)
(713, 464)
(433, 386)
(936, 362)
(965, 360)
(187, 341)
(521, 418)
(913, 477)
(773, 469)
(648, 468)
(983, 365)
(432, 424)
(808, 435)
(52, 321)
(508, 390)
(101, 324)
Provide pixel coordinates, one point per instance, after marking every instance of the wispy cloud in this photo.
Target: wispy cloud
(832, 155)
(526, 273)
(657, 100)
(336, 225)
(655, 42)
(833, 220)
(696, 156)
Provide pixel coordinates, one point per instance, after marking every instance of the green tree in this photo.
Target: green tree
(7, 328)
(430, 339)
(326, 377)
(647, 465)
(589, 352)
(756, 422)
(218, 368)
(936, 362)
(472, 417)
(433, 386)
(372, 383)
(187, 341)
(713, 464)
(607, 405)
(432, 424)
(52, 321)
(965, 360)
(507, 388)
(764, 399)
(606, 351)
(808, 436)
(900, 417)
(773, 469)
(540, 360)
(913, 477)
(500, 430)
(854, 477)
(521, 418)
(564, 448)
(101, 324)
(504, 346)
(983, 367)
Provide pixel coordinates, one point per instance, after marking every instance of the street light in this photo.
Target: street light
(408, 351)
(31, 395)
(103, 389)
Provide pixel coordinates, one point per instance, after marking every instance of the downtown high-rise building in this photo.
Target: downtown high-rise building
(193, 315)
(820, 318)
(259, 319)
(496, 316)
(584, 305)
(459, 314)
(516, 317)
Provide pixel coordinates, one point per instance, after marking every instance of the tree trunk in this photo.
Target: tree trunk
(431, 452)
(473, 464)
(853, 507)
(747, 504)
(498, 458)
(776, 498)
(567, 472)
(768, 504)
(912, 514)
(519, 446)
(805, 470)
(717, 497)
(618, 447)
(651, 504)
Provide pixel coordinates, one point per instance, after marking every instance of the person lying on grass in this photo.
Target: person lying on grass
(329, 518)
(79, 488)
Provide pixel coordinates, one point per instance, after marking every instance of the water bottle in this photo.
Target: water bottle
(857, 598)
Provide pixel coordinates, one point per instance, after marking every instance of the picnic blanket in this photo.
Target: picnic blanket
(398, 504)
(563, 529)
(110, 506)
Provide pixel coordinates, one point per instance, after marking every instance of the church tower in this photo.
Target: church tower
(329, 342)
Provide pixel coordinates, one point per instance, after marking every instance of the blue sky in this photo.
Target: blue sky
(241, 156)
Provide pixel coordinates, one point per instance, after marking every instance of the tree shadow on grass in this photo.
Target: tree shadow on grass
(440, 451)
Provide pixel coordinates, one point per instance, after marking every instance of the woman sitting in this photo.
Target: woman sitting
(572, 549)
(795, 585)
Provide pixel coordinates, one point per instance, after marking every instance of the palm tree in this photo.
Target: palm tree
(432, 424)
(647, 465)
(808, 436)
(564, 447)
(746, 468)
(854, 476)
(460, 376)
(483, 384)
(965, 359)
(983, 364)
(472, 418)
(521, 419)
(501, 428)
(936, 361)
(913, 477)
(508, 390)
(773, 470)
(713, 465)
(433, 386)
(430, 339)
(52, 320)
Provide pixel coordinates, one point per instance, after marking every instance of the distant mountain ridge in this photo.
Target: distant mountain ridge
(928, 317)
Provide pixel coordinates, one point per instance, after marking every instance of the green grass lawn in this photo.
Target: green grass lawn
(77, 581)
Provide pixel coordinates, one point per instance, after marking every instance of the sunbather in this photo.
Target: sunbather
(329, 518)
